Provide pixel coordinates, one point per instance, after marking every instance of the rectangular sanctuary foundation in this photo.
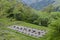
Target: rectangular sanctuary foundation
(29, 31)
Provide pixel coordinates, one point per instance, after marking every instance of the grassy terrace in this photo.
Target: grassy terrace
(8, 34)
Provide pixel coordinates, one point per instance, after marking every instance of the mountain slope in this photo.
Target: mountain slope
(40, 4)
(57, 3)
(29, 2)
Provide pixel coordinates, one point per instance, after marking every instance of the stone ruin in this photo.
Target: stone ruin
(29, 31)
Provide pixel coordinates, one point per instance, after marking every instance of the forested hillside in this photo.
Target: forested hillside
(40, 4)
(13, 12)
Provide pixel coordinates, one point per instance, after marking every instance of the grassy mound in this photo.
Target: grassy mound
(8, 34)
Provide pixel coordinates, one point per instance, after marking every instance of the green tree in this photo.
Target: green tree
(55, 25)
(49, 9)
(5, 5)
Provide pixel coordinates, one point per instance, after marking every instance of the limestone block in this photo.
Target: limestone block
(29, 31)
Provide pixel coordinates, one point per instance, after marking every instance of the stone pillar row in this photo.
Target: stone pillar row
(29, 31)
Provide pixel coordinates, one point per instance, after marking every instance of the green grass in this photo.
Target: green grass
(9, 34)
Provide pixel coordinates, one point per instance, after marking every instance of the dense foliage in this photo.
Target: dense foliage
(49, 17)
(17, 10)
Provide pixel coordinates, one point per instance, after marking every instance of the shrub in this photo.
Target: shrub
(55, 25)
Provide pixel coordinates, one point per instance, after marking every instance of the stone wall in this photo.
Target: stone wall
(28, 31)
